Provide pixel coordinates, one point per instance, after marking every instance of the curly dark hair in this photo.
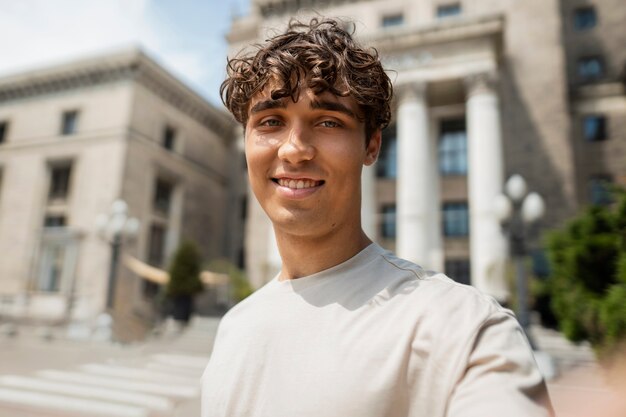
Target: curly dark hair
(319, 55)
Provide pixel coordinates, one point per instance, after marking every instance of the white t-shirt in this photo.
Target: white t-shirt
(375, 336)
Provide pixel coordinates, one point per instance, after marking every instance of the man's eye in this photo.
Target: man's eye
(329, 123)
(271, 122)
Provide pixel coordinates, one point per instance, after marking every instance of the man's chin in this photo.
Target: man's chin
(299, 224)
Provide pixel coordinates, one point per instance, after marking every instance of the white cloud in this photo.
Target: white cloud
(36, 33)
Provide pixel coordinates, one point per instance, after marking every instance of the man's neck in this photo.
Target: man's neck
(304, 256)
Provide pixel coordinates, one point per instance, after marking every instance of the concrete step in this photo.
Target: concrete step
(565, 354)
(144, 381)
(133, 373)
(195, 363)
(60, 405)
(172, 370)
(157, 404)
(176, 392)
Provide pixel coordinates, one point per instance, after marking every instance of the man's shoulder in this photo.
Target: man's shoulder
(441, 294)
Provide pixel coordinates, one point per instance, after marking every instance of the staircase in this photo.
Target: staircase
(160, 378)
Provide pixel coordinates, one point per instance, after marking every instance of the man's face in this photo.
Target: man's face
(305, 160)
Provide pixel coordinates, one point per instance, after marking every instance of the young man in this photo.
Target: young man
(347, 329)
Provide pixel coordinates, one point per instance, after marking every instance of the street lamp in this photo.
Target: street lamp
(114, 228)
(516, 211)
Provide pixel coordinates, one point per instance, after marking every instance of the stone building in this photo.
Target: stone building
(483, 90)
(76, 137)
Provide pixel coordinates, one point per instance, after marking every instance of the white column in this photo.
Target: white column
(488, 245)
(368, 202)
(436, 261)
(414, 175)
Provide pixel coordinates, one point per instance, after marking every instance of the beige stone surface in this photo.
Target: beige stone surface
(124, 102)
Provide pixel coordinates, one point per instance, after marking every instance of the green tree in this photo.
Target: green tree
(185, 272)
(587, 282)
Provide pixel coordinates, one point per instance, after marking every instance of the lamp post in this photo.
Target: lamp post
(116, 227)
(517, 210)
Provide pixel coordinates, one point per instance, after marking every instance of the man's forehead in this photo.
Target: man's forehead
(326, 99)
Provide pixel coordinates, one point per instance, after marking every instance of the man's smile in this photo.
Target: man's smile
(297, 183)
(296, 188)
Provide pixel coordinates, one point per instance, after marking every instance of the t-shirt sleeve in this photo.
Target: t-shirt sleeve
(501, 377)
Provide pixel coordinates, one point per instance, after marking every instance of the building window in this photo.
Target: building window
(52, 268)
(591, 68)
(388, 224)
(585, 18)
(4, 128)
(59, 182)
(393, 20)
(458, 270)
(594, 128)
(600, 190)
(156, 245)
(162, 196)
(54, 221)
(448, 10)
(387, 165)
(453, 148)
(69, 122)
(455, 219)
(169, 138)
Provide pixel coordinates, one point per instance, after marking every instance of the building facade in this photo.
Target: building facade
(483, 90)
(75, 138)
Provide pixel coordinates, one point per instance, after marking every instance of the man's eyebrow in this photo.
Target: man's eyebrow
(332, 106)
(267, 105)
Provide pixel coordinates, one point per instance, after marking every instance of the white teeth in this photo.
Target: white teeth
(297, 184)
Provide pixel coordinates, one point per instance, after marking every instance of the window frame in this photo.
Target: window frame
(56, 195)
(4, 131)
(157, 197)
(578, 17)
(448, 230)
(602, 131)
(389, 221)
(169, 134)
(463, 278)
(598, 190)
(387, 164)
(54, 220)
(69, 122)
(585, 61)
(452, 127)
(442, 11)
(392, 20)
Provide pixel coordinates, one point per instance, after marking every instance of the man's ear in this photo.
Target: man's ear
(373, 148)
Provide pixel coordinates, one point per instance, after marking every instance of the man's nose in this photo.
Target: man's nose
(297, 147)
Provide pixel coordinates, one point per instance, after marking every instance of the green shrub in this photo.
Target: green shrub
(185, 271)
(587, 282)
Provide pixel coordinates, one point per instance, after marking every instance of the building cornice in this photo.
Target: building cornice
(267, 8)
(132, 65)
(398, 39)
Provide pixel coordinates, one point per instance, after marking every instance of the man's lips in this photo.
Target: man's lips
(297, 183)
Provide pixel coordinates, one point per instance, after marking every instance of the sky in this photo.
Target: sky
(185, 36)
